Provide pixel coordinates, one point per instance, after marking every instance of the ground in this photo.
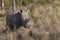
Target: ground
(44, 24)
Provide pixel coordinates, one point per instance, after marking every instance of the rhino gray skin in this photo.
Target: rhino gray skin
(16, 20)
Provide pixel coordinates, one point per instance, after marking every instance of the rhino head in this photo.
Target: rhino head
(25, 16)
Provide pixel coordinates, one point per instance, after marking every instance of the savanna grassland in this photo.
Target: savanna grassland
(44, 23)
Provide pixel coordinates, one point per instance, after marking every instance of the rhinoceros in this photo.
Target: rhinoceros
(16, 20)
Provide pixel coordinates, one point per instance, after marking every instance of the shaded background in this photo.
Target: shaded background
(44, 23)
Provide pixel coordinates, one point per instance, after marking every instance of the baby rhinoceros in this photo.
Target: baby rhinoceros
(17, 20)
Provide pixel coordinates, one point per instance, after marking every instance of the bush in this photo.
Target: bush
(46, 1)
(1, 15)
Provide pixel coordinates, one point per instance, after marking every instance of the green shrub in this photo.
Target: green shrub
(46, 1)
(1, 15)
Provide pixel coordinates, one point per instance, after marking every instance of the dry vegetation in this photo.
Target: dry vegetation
(44, 24)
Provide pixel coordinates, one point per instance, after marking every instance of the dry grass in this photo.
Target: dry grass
(43, 25)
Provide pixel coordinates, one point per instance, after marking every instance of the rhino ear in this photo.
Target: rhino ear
(20, 11)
